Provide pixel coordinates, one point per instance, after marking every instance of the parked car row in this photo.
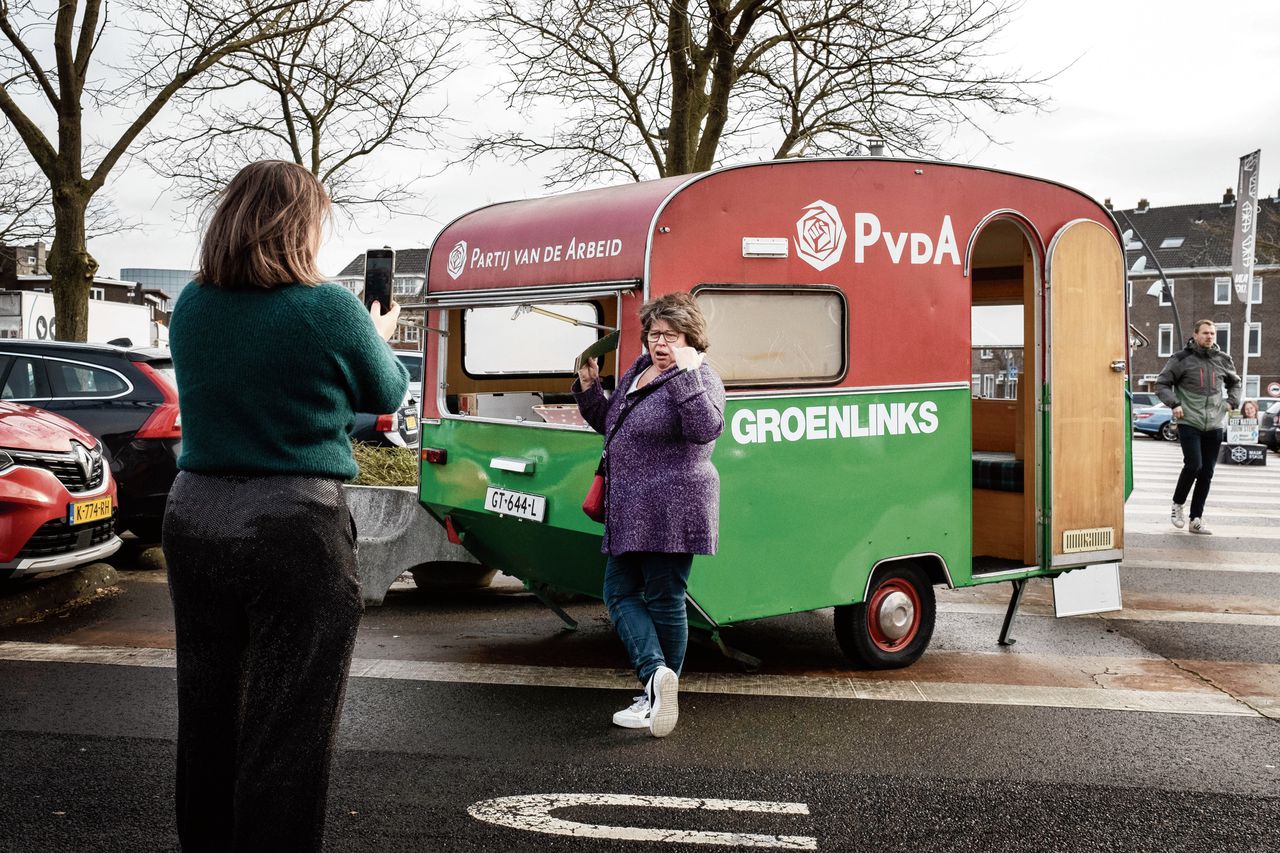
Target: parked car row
(1157, 421)
(118, 405)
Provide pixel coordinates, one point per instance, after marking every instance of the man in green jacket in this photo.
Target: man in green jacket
(1191, 384)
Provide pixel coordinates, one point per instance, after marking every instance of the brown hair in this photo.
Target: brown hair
(1199, 323)
(266, 229)
(681, 312)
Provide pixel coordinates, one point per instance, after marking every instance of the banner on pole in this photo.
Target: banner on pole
(1242, 244)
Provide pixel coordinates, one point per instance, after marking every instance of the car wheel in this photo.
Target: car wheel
(1169, 432)
(892, 628)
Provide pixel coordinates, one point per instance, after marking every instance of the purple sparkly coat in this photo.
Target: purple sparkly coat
(662, 492)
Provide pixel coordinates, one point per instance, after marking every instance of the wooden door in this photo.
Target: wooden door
(1087, 425)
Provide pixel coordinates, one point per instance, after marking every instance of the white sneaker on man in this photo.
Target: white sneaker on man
(1197, 526)
(635, 717)
(663, 691)
(1177, 516)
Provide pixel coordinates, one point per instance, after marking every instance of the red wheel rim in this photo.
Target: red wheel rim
(879, 599)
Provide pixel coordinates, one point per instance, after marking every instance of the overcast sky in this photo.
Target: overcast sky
(1159, 101)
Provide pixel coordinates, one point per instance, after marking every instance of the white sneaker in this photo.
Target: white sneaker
(663, 690)
(1177, 516)
(635, 717)
(1197, 526)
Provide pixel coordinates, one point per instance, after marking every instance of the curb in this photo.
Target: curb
(56, 592)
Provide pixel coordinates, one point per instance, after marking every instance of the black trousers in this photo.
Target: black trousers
(266, 602)
(1199, 458)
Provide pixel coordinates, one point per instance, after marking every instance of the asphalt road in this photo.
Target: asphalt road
(1154, 728)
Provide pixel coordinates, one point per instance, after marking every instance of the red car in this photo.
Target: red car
(57, 497)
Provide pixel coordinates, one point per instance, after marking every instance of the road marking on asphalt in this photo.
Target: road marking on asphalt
(1222, 528)
(532, 813)
(1209, 703)
(1198, 617)
(1155, 563)
(1229, 514)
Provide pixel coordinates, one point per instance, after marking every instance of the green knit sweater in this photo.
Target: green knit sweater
(269, 381)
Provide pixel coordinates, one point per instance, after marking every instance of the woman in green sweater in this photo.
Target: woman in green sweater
(272, 365)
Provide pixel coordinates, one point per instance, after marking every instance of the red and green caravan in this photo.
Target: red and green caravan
(864, 461)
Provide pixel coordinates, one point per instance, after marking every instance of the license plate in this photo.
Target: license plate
(82, 512)
(410, 422)
(505, 502)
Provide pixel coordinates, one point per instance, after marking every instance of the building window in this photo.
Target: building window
(1252, 386)
(984, 353)
(1011, 388)
(411, 334)
(1255, 339)
(1166, 340)
(975, 384)
(406, 286)
(988, 385)
(1163, 299)
(1222, 290)
(1224, 337)
(1255, 294)
(97, 293)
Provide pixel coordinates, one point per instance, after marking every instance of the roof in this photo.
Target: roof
(408, 262)
(1206, 230)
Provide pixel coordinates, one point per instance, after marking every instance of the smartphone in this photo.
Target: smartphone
(379, 270)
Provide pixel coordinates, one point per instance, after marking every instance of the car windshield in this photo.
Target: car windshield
(413, 363)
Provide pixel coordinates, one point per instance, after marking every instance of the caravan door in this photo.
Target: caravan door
(1086, 427)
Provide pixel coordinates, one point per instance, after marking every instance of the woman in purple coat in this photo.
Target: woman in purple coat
(662, 495)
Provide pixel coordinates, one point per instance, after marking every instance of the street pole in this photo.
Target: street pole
(1168, 290)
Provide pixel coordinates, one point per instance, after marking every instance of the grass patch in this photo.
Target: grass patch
(385, 466)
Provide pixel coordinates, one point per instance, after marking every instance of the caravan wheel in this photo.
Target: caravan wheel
(892, 628)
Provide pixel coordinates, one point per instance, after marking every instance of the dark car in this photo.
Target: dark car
(1268, 433)
(125, 396)
(57, 498)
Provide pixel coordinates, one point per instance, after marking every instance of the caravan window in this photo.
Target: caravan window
(777, 335)
(520, 340)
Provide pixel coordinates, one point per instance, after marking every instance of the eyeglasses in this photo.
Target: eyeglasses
(669, 337)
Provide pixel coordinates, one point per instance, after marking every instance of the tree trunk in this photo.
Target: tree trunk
(70, 265)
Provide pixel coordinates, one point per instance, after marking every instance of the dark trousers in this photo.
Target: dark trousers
(644, 592)
(1199, 458)
(266, 603)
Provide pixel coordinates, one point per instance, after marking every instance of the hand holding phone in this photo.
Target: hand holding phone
(379, 271)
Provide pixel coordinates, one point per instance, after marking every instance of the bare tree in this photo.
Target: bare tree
(48, 64)
(669, 87)
(25, 197)
(326, 99)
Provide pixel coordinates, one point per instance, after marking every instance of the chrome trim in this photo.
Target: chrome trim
(1016, 216)
(129, 387)
(69, 560)
(515, 295)
(698, 607)
(513, 464)
(946, 570)
(847, 392)
(1086, 558)
(1005, 572)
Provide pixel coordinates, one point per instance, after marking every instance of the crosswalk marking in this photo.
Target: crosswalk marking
(1208, 702)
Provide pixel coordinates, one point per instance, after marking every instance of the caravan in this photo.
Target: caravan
(858, 468)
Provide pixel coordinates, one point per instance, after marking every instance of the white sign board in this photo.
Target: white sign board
(1094, 589)
(1242, 430)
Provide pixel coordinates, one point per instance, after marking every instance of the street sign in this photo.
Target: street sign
(1274, 389)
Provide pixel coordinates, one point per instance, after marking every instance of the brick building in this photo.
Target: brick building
(1192, 243)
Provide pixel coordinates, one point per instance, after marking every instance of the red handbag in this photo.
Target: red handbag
(593, 504)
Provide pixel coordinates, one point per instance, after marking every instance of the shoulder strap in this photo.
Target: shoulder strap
(626, 408)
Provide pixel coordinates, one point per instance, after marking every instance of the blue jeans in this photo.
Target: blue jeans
(644, 592)
(1199, 458)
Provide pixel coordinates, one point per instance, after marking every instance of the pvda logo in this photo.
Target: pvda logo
(457, 259)
(820, 235)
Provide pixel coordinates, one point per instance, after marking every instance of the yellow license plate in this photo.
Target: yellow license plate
(411, 422)
(82, 512)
